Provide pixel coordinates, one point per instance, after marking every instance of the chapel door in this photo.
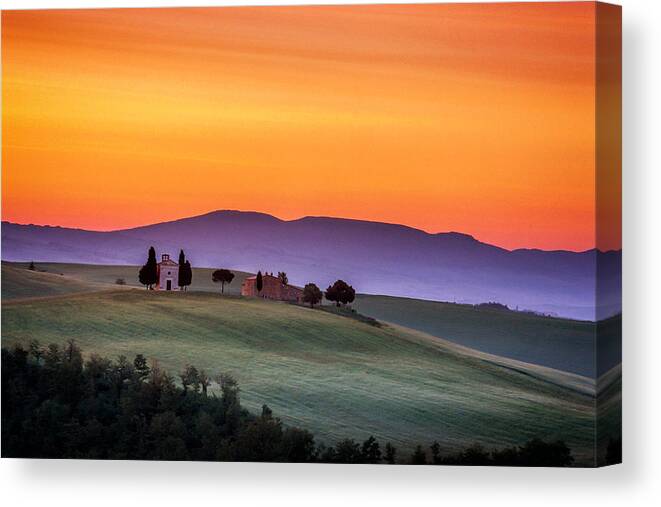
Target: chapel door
(169, 285)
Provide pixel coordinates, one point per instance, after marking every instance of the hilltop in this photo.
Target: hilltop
(376, 258)
(53, 278)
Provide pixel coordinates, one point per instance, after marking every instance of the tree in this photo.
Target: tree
(144, 278)
(348, 295)
(537, 453)
(391, 453)
(419, 457)
(141, 367)
(347, 451)
(188, 274)
(148, 274)
(190, 377)
(185, 271)
(205, 381)
(229, 389)
(370, 451)
(124, 372)
(283, 277)
(31, 266)
(223, 276)
(259, 282)
(182, 264)
(311, 294)
(35, 350)
(267, 413)
(435, 453)
(340, 292)
(475, 455)
(298, 445)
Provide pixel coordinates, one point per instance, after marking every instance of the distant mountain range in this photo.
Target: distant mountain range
(376, 258)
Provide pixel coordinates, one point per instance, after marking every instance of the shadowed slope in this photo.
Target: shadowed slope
(563, 344)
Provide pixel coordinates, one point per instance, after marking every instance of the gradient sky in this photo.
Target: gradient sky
(471, 118)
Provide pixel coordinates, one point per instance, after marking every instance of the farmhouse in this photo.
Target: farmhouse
(168, 274)
(272, 288)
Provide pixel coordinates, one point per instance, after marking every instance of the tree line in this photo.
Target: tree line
(56, 404)
(340, 293)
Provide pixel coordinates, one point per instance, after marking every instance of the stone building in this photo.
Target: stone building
(168, 274)
(272, 288)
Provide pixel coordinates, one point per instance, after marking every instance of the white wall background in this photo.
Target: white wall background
(637, 482)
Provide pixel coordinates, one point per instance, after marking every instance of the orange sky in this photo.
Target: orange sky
(472, 118)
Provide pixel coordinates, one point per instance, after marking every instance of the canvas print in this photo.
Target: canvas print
(375, 234)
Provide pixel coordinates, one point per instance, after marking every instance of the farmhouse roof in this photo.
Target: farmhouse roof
(268, 275)
(265, 275)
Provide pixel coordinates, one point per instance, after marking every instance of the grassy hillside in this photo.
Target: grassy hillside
(81, 277)
(336, 376)
(19, 282)
(563, 344)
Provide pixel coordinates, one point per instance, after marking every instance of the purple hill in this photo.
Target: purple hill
(376, 258)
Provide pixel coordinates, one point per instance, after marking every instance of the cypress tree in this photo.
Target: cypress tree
(153, 266)
(188, 270)
(259, 283)
(148, 274)
(182, 269)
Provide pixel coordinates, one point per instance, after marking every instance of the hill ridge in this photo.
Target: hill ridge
(375, 257)
(237, 213)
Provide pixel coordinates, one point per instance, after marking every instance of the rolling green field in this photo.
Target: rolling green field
(335, 376)
(564, 344)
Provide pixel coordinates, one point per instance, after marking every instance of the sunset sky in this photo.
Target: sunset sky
(470, 118)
